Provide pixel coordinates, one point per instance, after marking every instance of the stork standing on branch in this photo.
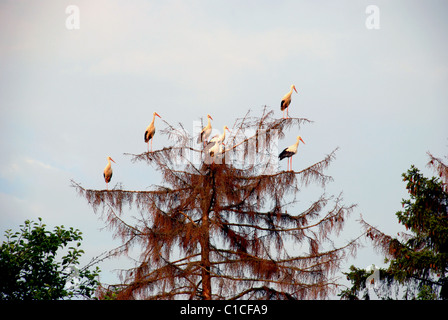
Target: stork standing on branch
(151, 130)
(216, 150)
(206, 131)
(107, 174)
(214, 147)
(219, 138)
(290, 151)
(286, 101)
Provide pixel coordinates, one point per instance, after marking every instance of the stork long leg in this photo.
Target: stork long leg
(151, 145)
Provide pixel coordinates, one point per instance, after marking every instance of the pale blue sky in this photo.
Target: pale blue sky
(70, 98)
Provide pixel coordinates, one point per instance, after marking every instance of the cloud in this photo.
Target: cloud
(38, 164)
(210, 60)
(187, 44)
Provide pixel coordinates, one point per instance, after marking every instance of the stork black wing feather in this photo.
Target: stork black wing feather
(282, 105)
(285, 154)
(146, 136)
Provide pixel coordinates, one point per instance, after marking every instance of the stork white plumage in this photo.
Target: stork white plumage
(216, 149)
(220, 137)
(206, 131)
(151, 130)
(286, 101)
(290, 151)
(107, 174)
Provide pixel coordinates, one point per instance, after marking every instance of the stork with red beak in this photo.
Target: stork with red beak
(289, 152)
(206, 131)
(286, 101)
(215, 147)
(219, 138)
(108, 172)
(151, 130)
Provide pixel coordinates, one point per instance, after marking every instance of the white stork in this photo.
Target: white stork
(108, 172)
(220, 138)
(206, 131)
(286, 101)
(214, 147)
(290, 151)
(151, 130)
(216, 150)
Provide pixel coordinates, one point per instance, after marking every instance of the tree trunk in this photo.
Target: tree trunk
(205, 260)
(205, 238)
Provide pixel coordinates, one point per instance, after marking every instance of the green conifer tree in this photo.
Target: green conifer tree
(418, 260)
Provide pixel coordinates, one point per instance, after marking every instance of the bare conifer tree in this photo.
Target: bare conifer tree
(227, 226)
